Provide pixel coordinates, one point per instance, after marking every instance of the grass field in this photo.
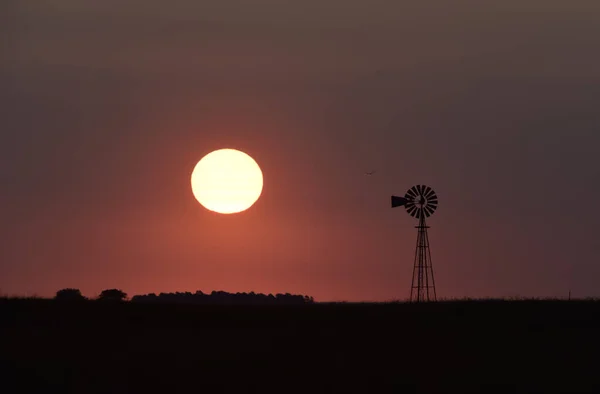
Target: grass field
(454, 346)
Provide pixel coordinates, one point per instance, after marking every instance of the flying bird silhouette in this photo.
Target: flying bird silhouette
(370, 172)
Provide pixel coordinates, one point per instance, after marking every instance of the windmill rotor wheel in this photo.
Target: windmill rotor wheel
(421, 201)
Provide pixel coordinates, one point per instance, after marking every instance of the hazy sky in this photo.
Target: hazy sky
(106, 106)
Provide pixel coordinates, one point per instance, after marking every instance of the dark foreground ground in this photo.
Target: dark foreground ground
(460, 347)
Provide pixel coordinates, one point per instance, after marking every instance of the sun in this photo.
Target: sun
(227, 181)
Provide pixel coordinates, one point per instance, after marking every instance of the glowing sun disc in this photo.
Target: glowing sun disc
(227, 181)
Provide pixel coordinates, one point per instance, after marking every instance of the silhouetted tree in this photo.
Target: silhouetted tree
(112, 295)
(69, 295)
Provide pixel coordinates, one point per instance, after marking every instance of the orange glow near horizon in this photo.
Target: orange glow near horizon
(227, 181)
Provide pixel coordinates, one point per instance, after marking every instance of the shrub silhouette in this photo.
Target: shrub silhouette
(69, 295)
(222, 297)
(112, 295)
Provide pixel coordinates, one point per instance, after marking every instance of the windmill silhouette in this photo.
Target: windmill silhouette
(420, 201)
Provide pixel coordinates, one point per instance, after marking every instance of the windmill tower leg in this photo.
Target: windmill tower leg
(423, 282)
(431, 294)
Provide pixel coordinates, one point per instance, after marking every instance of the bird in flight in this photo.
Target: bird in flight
(370, 172)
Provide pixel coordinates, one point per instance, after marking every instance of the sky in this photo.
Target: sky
(106, 107)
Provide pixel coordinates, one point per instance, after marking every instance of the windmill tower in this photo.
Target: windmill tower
(420, 202)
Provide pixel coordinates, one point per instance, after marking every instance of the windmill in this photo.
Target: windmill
(420, 201)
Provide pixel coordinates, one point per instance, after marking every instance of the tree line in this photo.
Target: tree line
(215, 297)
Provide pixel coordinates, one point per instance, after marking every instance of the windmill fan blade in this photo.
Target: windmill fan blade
(419, 213)
(429, 210)
(414, 212)
(410, 208)
(398, 201)
(414, 190)
(426, 190)
(429, 192)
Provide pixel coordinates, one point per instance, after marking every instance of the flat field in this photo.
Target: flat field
(457, 346)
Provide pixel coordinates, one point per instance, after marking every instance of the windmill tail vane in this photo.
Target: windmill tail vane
(420, 202)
